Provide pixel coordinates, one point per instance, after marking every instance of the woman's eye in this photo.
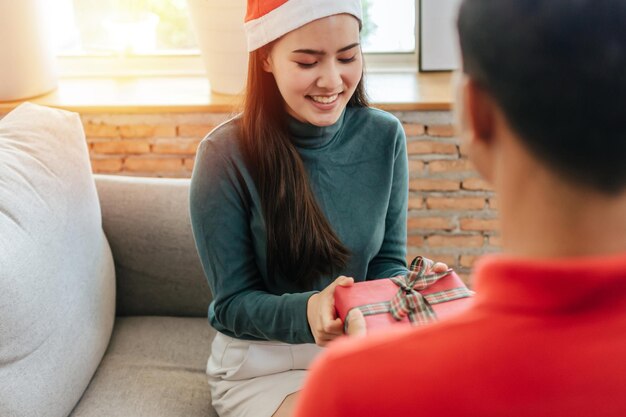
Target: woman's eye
(347, 60)
(305, 64)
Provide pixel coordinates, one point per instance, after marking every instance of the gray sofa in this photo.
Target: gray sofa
(92, 323)
(156, 359)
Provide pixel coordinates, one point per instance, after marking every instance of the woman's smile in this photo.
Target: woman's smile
(324, 99)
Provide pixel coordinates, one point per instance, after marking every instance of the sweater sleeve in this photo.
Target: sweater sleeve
(220, 218)
(391, 258)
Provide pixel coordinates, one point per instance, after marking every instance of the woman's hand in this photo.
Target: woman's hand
(320, 311)
(439, 267)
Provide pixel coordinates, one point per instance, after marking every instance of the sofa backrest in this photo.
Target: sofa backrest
(57, 279)
(147, 223)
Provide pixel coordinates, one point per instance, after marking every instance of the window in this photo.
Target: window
(101, 27)
(389, 34)
(126, 37)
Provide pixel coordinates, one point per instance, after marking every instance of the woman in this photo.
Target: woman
(307, 189)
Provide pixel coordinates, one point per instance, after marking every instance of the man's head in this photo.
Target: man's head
(556, 71)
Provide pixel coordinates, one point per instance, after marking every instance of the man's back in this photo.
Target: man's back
(544, 338)
(540, 107)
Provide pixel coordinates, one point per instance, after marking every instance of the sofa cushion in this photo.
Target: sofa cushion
(148, 226)
(154, 366)
(57, 282)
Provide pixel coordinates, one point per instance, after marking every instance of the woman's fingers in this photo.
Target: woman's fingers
(439, 267)
(333, 327)
(321, 314)
(329, 337)
(342, 281)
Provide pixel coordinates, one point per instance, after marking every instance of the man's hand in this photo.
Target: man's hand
(356, 323)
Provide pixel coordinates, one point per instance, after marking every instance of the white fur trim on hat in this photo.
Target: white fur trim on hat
(292, 15)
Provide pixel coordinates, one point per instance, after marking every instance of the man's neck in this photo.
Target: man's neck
(545, 217)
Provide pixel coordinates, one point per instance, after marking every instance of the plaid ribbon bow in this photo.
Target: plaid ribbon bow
(408, 301)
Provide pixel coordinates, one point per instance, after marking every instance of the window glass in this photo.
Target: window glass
(96, 27)
(389, 26)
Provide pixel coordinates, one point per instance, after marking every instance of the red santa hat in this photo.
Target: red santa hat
(268, 20)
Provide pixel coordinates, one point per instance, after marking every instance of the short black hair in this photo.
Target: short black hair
(557, 69)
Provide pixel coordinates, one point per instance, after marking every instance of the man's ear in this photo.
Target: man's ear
(481, 112)
(478, 123)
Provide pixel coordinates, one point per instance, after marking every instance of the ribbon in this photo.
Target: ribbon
(408, 301)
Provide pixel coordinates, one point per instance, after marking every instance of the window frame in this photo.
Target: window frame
(189, 63)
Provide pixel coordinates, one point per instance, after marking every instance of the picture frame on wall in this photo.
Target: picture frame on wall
(438, 43)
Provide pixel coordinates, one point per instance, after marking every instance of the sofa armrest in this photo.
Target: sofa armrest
(146, 221)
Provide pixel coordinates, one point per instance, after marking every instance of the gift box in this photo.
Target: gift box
(418, 298)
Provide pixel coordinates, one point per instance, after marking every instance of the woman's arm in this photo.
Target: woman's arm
(391, 258)
(220, 217)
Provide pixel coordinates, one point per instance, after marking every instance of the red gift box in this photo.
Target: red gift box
(416, 299)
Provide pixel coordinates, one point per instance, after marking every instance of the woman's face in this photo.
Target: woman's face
(317, 68)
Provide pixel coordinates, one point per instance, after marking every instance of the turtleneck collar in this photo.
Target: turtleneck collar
(306, 135)
(564, 284)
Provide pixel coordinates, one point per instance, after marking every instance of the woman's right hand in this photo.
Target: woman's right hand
(320, 311)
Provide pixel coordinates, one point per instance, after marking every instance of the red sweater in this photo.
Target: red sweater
(543, 338)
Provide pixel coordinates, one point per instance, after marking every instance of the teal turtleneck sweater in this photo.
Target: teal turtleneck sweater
(358, 172)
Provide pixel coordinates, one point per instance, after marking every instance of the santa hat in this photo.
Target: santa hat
(268, 20)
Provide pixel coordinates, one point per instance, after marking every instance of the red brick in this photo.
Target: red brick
(467, 261)
(422, 147)
(106, 165)
(441, 130)
(416, 203)
(101, 130)
(447, 259)
(416, 167)
(121, 147)
(476, 184)
(153, 164)
(444, 223)
(495, 241)
(147, 131)
(422, 184)
(460, 203)
(415, 240)
(464, 149)
(440, 241)
(412, 129)
(454, 165)
(480, 224)
(189, 162)
(493, 203)
(195, 131)
(176, 146)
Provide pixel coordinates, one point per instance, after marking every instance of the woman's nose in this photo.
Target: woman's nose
(330, 77)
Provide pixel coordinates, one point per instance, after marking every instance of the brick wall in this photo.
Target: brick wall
(162, 145)
(452, 212)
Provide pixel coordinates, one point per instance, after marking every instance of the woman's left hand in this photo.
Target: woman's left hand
(439, 267)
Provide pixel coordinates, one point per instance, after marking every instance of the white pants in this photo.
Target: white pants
(252, 378)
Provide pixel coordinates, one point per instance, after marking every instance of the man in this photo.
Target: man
(542, 106)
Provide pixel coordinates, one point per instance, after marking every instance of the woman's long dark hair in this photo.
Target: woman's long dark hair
(301, 243)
